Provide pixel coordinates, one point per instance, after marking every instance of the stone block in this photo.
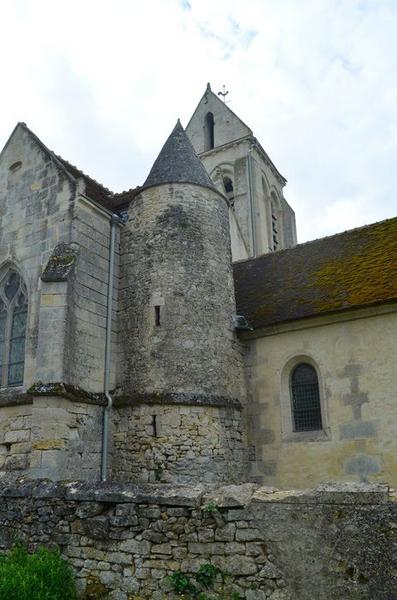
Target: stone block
(22, 435)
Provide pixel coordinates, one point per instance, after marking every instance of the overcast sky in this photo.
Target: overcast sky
(103, 83)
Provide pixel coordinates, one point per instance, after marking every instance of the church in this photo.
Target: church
(177, 333)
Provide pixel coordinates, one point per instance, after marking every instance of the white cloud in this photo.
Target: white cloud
(103, 84)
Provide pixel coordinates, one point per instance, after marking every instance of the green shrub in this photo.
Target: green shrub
(43, 575)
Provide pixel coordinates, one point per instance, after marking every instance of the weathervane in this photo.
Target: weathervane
(224, 94)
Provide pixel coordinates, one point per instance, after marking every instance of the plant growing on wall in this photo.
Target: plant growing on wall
(209, 583)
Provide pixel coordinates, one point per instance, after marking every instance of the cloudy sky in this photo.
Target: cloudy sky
(102, 83)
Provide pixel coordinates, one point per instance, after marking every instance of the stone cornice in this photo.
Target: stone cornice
(166, 399)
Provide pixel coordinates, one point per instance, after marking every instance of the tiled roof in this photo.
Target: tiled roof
(178, 162)
(99, 193)
(349, 270)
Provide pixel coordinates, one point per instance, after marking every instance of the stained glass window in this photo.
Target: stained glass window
(13, 318)
(306, 405)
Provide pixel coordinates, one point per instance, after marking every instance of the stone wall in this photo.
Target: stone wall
(88, 299)
(176, 257)
(177, 443)
(36, 197)
(124, 541)
(357, 372)
(15, 438)
(180, 344)
(50, 436)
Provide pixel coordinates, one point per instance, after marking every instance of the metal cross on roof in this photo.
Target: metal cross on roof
(224, 94)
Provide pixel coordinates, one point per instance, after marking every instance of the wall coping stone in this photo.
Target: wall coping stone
(329, 493)
(163, 398)
(65, 390)
(194, 496)
(14, 397)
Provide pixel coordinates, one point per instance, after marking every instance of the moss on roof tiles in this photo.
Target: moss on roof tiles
(353, 269)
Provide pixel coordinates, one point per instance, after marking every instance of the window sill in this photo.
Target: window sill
(324, 435)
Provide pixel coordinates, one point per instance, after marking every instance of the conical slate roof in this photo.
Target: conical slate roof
(178, 163)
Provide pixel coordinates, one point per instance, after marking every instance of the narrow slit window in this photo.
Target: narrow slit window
(157, 316)
(274, 226)
(13, 320)
(209, 138)
(306, 406)
(154, 424)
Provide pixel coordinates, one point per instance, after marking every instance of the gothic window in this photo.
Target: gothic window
(209, 131)
(275, 237)
(13, 317)
(306, 407)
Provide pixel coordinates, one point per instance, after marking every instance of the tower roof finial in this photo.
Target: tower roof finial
(208, 87)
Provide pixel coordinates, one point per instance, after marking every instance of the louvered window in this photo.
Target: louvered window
(13, 317)
(306, 407)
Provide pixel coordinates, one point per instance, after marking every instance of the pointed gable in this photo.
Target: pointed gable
(178, 163)
(227, 126)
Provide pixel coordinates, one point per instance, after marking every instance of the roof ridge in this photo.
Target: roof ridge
(132, 189)
(68, 163)
(315, 241)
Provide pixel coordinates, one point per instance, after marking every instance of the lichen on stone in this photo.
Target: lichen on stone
(60, 263)
(65, 390)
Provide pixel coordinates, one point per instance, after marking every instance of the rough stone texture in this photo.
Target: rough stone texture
(176, 255)
(177, 443)
(15, 439)
(66, 439)
(60, 263)
(326, 544)
(52, 437)
(176, 263)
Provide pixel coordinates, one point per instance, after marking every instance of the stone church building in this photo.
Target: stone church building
(176, 332)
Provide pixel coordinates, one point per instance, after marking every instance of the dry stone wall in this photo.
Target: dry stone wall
(125, 541)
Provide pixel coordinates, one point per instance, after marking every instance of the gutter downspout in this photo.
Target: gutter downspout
(108, 347)
(251, 202)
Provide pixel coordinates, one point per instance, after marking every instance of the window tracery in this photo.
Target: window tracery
(13, 318)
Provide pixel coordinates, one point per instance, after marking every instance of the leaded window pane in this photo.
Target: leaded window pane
(17, 344)
(305, 399)
(12, 286)
(3, 321)
(13, 318)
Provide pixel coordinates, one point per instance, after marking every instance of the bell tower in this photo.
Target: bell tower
(260, 218)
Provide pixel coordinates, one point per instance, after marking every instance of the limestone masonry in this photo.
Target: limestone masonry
(336, 542)
(174, 338)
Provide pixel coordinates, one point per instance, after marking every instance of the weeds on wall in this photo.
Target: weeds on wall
(209, 583)
(43, 575)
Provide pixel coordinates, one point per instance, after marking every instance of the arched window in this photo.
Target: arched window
(229, 189)
(274, 213)
(306, 407)
(208, 131)
(13, 317)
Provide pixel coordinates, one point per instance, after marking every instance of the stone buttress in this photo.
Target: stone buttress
(178, 416)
